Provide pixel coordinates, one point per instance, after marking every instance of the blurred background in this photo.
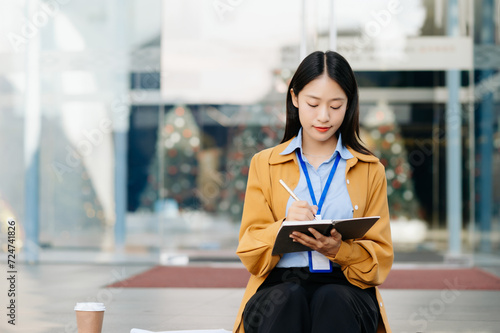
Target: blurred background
(127, 126)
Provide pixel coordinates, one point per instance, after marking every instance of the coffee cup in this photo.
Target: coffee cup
(89, 317)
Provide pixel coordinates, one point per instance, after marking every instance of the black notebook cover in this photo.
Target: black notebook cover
(348, 228)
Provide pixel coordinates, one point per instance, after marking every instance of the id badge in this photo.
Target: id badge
(318, 263)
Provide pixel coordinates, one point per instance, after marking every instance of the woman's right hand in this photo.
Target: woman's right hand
(301, 211)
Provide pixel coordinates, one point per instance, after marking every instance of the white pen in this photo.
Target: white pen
(293, 195)
(289, 190)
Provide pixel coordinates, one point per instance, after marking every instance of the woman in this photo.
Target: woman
(333, 287)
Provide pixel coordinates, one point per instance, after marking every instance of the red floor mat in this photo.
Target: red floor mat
(187, 277)
(210, 277)
(458, 279)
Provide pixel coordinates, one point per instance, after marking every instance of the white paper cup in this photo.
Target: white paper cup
(89, 317)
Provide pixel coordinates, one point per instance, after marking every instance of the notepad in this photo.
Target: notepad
(349, 229)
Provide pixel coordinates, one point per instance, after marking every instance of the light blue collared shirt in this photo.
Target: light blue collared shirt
(337, 204)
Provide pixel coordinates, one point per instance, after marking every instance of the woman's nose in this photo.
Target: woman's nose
(323, 114)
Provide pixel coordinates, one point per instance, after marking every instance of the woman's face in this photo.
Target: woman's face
(322, 105)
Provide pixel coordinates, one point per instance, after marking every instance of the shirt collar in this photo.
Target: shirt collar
(296, 143)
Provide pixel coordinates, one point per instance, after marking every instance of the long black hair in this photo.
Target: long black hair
(339, 70)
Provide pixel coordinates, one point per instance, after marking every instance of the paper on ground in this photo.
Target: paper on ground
(136, 330)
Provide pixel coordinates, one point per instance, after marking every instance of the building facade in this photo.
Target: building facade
(128, 126)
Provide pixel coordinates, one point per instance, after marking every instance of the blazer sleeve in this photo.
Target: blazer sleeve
(366, 262)
(258, 226)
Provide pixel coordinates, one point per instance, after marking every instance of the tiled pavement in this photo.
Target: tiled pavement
(46, 295)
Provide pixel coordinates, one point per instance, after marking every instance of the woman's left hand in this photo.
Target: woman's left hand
(326, 245)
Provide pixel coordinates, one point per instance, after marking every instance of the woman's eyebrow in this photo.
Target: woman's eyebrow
(333, 99)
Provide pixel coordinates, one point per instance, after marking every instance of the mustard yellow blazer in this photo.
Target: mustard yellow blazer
(365, 262)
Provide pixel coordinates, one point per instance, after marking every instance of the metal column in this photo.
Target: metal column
(333, 27)
(485, 135)
(453, 123)
(118, 10)
(303, 32)
(32, 129)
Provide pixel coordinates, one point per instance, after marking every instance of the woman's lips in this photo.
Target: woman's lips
(322, 129)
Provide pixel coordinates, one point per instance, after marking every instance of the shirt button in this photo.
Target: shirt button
(356, 207)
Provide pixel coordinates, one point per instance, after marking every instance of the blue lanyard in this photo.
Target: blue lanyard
(327, 185)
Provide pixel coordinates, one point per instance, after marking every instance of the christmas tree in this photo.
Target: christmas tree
(180, 137)
(247, 140)
(383, 137)
(178, 145)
